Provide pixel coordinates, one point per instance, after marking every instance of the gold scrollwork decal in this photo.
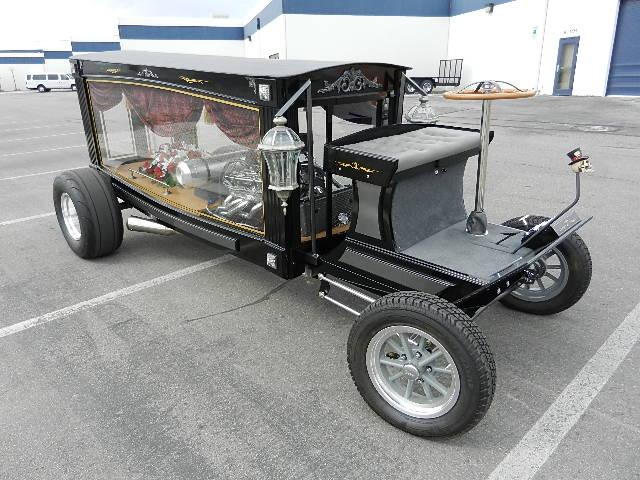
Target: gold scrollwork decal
(112, 70)
(356, 166)
(192, 80)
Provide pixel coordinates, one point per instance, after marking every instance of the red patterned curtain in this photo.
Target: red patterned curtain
(105, 96)
(167, 114)
(239, 124)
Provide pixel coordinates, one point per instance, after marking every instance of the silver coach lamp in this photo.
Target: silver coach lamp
(281, 148)
(421, 112)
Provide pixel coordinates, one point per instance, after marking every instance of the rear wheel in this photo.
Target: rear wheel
(427, 85)
(421, 364)
(88, 212)
(73, 88)
(41, 88)
(557, 280)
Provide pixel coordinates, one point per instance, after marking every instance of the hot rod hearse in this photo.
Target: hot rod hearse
(222, 149)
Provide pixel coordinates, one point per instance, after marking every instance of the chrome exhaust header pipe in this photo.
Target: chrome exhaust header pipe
(137, 224)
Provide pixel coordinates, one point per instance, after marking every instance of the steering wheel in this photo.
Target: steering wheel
(488, 90)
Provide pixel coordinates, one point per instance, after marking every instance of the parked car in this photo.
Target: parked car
(43, 82)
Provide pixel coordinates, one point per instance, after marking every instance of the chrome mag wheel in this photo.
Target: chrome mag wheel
(70, 216)
(413, 372)
(547, 278)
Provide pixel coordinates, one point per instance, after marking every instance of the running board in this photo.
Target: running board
(324, 293)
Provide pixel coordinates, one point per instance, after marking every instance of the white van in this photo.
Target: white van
(43, 82)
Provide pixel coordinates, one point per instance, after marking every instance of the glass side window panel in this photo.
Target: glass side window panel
(566, 66)
(52, 77)
(39, 77)
(195, 153)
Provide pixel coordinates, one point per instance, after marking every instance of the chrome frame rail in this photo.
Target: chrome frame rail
(325, 294)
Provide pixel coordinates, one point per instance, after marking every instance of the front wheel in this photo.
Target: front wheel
(557, 280)
(88, 212)
(421, 364)
(42, 88)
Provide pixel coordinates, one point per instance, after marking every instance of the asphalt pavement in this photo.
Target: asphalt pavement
(227, 371)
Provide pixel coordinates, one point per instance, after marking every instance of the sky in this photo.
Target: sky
(35, 23)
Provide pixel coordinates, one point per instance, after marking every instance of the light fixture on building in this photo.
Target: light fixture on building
(489, 7)
(421, 112)
(281, 148)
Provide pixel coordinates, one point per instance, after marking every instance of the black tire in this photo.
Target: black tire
(427, 85)
(73, 88)
(99, 215)
(459, 336)
(42, 88)
(578, 260)
(409, 89)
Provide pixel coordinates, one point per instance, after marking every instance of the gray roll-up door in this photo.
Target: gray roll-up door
(624, 73)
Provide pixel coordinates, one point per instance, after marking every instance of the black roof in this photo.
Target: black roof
(251, 67)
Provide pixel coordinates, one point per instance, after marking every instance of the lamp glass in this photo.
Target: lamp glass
(281, 148)
(421, 112)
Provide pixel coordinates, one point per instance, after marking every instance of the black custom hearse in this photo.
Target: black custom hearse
(221, 148)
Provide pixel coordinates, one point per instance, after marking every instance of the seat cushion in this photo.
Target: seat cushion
(422, 146)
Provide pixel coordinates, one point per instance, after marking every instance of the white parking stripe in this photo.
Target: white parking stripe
(35, 127)
(26, 219)
(39, 173)
(44, 136)
(78, 307)
(535, 448)
(40, 151)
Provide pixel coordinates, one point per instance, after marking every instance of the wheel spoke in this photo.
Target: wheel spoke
(421, 343)
(409, 390)
(554, 278)
(442, 370)
(394, 345)
(435, 384)
(391, 363)
(430, 358)
(426, 390)
(405, 345)
(553, 267)
(540, 284)
(396, 376)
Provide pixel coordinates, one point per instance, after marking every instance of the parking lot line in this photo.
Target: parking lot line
(40, 151)
(39, 173)
(34, 127)
(535, 448)
(26, 219)
(78, 307)
(43, 136)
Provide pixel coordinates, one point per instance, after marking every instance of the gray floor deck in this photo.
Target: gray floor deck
(480, 257)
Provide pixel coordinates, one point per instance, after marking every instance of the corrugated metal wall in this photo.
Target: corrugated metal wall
(624, 74)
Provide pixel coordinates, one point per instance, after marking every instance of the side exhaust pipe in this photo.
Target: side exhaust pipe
(137, 224)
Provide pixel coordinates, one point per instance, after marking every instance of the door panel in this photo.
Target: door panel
(566, 65)
(624, 74)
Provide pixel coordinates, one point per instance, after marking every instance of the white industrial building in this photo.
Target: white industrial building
(15, 64)
(565, 47)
